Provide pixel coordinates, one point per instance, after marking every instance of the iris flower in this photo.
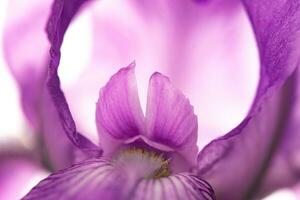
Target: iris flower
(156, 157)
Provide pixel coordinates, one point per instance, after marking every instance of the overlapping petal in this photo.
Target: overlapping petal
(97, 178)
(170, 123)
(256, 139)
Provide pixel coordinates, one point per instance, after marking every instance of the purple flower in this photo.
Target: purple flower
(156, 152)
(159, 153)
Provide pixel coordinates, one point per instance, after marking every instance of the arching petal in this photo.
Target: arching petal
(170, 118)
(119, 115)
(93, 179)
(60, 18)
(245, 153)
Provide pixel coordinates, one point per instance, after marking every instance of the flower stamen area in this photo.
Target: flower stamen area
(144, 163)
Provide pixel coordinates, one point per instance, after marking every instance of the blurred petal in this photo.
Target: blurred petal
(245, 153)
(61, 15)
(99, 179)
(17, 176)
(119, 115)
(26, 48)
(170, 117)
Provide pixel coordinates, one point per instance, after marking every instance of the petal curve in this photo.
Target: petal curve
(276, 25)
(60, 18)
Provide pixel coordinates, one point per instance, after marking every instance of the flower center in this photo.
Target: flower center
(143, 163)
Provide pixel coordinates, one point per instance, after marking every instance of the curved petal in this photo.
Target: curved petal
(256, 139)
(170, 118)
(97, 178)
(60, 18)
(119, 115)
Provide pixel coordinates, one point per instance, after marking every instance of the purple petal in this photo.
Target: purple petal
(119, 115)
(60, 18)
(170, 118)
(96, 178)
(240, 159)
